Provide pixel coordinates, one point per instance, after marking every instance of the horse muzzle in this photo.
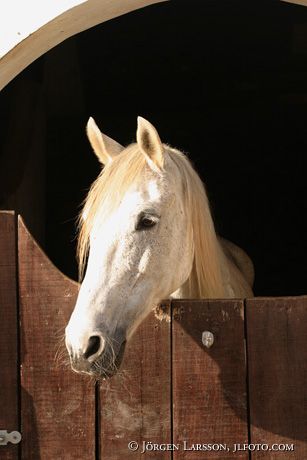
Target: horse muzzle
(97, 357)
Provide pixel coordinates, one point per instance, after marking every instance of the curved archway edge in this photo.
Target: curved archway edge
(24, 41)
(296, 2)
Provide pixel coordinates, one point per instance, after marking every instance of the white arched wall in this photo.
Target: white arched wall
(297, 2)
(30, 28)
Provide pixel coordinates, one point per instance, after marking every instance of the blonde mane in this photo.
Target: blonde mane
(205, 280)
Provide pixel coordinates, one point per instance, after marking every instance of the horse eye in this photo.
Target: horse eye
(145, 222)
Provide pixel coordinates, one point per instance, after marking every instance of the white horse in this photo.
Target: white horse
(147, 231)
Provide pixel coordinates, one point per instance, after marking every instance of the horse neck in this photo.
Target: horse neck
(191, 289)
(234, 283)
(206, 279)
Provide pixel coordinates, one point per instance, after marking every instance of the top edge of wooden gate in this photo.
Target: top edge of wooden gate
(23, 227)
(172, 301)
(29, 29)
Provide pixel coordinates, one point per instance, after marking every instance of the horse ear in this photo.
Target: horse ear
(149, 142)
(104, 147)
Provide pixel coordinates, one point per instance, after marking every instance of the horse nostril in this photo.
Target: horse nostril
(93, 346)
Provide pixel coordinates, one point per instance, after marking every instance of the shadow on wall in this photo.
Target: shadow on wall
(276, 358)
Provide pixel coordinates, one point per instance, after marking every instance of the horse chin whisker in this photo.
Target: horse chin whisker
(111, 355)
(61, 357)
(101, 371)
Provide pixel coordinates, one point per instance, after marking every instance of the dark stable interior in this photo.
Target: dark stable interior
(224, 81)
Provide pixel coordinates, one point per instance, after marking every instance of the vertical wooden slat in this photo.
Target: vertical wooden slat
(135, 404)
(209, 385)
(57, 406)
(8, 333)
(277, 361)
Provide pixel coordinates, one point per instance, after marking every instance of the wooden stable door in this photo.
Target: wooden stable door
(174, 397)
(9, 359)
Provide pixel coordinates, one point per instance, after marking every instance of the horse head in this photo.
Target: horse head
(135, 233)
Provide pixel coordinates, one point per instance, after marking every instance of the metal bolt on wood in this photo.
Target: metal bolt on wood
(14, 437)
(207, 339)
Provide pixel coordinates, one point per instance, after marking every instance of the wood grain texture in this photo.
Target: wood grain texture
(8, 333)
(57, 406)
(209, 385)
(277, 357)
(135, 405)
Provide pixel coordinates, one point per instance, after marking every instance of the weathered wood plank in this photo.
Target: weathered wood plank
(277, 357)
(57, 406)
(9, 379)
(135, 404)
(209, 385)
